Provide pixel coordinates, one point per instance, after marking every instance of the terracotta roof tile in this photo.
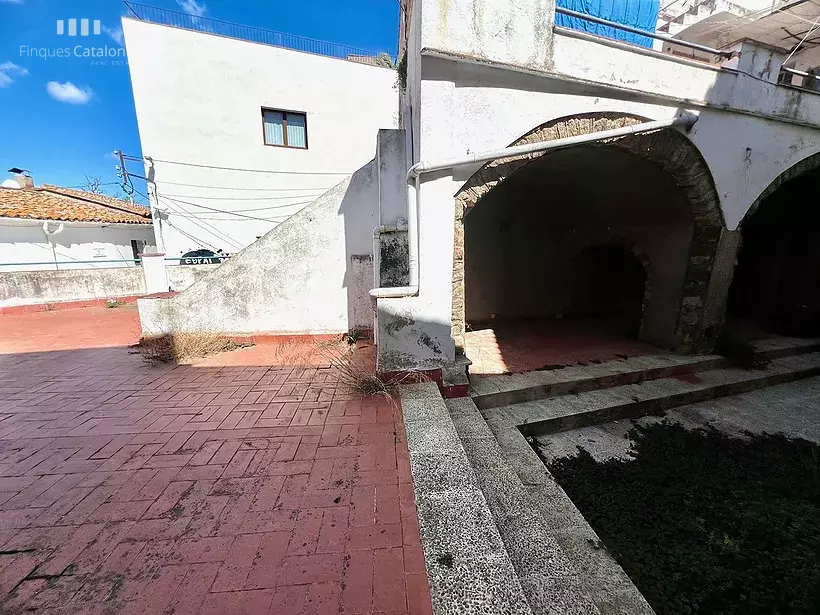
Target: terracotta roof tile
(54, 203)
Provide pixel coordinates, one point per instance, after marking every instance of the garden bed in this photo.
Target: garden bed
(704, 522)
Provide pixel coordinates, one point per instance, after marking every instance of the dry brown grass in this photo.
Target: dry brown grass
(184, 347)
(357, 372)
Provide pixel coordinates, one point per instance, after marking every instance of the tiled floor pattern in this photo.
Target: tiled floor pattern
(240, 489)
(513, 346)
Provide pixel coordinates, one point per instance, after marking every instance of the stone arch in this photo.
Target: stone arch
(810, 163)
(776, 258)
(672, 152)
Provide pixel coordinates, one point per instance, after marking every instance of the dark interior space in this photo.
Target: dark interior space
(608, 284)
(558, 241)
(776, 287)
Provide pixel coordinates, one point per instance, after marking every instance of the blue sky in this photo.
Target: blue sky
(61, 117)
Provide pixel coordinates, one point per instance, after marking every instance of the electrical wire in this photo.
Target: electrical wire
(285, 206)
(242, 198)
(208, 228)
(323, 189)
(744, 19)
(211, 166)
(221, 211)
(199, 242)
(808, 33)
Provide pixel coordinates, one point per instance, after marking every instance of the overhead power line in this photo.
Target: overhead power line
(244, 170)
(241, 198)
(243, 188)
(221, 211)
(243, 211)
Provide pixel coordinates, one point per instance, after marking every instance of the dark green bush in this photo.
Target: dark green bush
(705, 523)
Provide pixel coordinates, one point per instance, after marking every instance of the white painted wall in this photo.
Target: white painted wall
(309, 275)
(23, 241)
(198, 100)
(38, 287)
(750, 131)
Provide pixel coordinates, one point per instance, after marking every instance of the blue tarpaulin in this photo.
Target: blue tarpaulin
(642, 14)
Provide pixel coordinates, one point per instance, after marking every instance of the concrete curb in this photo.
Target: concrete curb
(469, 570)
(550, 580)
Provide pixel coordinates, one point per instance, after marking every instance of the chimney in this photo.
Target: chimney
(22, 177)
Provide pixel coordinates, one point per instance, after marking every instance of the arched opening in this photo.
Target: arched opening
(584, 253)
(776, 286)
(607, 286)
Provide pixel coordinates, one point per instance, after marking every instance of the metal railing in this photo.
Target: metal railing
(253, 34)
(809, 82)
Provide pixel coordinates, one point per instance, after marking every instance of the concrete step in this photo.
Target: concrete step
(502, 390)
(778, 347)
(650, 396)
(467, 564)
(551, 581)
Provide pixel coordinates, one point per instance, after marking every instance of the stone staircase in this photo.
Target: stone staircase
(546, 401)
(496, 528)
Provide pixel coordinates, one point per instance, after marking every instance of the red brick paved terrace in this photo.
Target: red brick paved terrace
(126, 488)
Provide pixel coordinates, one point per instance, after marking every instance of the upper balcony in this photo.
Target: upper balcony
(253, 34)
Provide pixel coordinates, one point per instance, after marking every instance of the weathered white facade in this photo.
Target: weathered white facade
(479, 80)
(484, 76)
(79, 245)
(199, 99)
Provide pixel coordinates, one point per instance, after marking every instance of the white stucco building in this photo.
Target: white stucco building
(238, 135)
(48, 227)
(707, 153)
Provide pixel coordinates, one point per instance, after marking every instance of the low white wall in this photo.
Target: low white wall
(181, 277)
(310, 274)
(33, 287)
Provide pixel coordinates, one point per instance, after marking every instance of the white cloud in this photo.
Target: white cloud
(69, 93)
(9, 70)
(116, 34)
(192, 7)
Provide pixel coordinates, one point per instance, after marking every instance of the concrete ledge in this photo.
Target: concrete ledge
(65, 305)
(52, 286)
(635, 400)
(597, 574)
(468, 567)
(503, 390)
(549, 579)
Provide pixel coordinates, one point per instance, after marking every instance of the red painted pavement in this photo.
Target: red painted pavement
(238, 489)
(512, 346)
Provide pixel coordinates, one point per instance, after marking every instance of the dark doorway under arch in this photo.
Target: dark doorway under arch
(588, 246)
(776, 284)
(608, 284)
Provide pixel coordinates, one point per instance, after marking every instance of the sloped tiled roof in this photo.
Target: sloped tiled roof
(54, 203)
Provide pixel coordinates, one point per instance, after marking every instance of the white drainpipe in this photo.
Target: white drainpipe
(684, 120)
(49, 235)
